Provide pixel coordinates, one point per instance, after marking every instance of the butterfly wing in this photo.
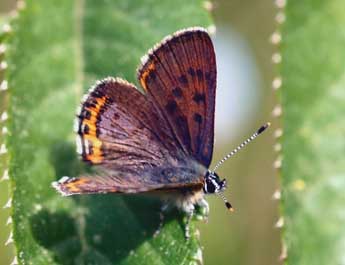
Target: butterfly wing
(179, 76)
(150, 179)
(121, 131)
(118, 128)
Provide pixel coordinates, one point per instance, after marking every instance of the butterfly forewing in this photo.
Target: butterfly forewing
(179, 76)
(118, 127)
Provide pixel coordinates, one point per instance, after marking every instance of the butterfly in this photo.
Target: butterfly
(159, 140)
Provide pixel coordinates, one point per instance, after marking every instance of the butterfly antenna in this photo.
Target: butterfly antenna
(238, 148)
(227, 203)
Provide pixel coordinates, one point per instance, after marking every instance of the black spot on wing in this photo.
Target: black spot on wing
(86, 129)
(177, 92)
(171, 106)
(183, 79)
(197, 118)
(200, 74)
(210, 80)
(199, 97)
(152, 75)
(116, 116)
(91, 104)
(191, 71)
(85, 114)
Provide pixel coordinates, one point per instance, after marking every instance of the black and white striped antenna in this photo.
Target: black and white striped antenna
(227, 203)
(238, 148)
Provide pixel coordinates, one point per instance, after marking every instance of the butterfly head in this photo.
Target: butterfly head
(213, 184)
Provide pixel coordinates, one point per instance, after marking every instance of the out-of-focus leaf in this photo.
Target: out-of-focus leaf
(6, 250)
(313, 96)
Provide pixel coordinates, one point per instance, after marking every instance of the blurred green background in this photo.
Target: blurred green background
(244, 101)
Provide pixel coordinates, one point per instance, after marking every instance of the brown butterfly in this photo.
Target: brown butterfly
(160, 140)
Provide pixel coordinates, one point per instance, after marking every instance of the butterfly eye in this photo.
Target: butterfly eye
(209, 186)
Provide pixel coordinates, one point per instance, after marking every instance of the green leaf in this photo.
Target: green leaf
(313, 96)
(6, 249)
(57, 49)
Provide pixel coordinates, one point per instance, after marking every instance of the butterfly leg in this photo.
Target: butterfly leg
(163, 210)
(204, 210)
(189, 209)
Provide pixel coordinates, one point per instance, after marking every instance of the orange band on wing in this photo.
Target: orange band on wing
(83, 185)
(145, 74)
(94, 154)
(74, 186)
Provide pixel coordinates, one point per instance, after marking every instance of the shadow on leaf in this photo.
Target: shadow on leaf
(100, 229)
(56, 232)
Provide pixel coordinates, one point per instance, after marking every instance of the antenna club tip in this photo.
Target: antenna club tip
(228, 205)
(264, 127)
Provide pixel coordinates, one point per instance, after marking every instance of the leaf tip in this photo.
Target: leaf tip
(277, 111)
(277, 83)
(276, 58)
(3, 65)
(276, 195)
(280, 222)
(276, 38)
(9, 221)
(9, 240)
(2, 48)
(280, 17)
(4, 85)
(4, 116)
(208, 5)
(5, 176)
(277, 163)
(14, 261)
(6, 28)
(8, 204)
(280, 3)
(278, 133)
(197, 257)
(3, 149)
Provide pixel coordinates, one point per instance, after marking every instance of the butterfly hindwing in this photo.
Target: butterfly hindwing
(188, 177)
(179, 76)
